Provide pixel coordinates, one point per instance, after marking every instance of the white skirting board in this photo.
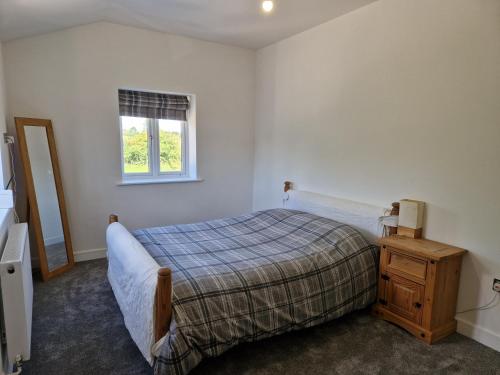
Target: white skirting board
(479, 334)
(80, 256)
(84, 255)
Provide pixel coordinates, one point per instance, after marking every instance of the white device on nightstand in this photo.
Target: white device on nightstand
(411, 216)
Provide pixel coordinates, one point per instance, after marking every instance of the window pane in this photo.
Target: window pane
(170, 145)
(135, 144)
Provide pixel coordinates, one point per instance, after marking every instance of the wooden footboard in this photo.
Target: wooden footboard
(163, 298)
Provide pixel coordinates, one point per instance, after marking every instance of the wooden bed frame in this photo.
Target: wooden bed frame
(163, 295)
(163, 298)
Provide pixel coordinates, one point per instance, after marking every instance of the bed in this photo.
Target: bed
(193, 291)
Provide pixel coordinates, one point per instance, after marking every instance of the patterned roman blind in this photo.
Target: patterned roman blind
(153, 105)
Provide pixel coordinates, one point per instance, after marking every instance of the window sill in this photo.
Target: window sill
(150, 181)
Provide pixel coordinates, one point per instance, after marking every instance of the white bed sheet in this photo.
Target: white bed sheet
(133, 273)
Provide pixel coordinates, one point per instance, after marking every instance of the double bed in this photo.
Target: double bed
(193, 291)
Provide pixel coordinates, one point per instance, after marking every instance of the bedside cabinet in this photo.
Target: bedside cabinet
(418, 286)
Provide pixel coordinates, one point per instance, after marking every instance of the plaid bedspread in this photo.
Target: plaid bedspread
(254, 276)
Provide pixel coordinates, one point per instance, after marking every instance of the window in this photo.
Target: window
(152, 147)
(157, 137)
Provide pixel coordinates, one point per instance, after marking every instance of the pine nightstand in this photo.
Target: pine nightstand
(418, 286)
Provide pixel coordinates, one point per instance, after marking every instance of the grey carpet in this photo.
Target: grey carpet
(78, 329)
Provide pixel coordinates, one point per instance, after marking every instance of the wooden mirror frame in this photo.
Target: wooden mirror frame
(34, 213)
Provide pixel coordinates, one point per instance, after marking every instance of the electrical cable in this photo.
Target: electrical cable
(489, 305)
(8, 183)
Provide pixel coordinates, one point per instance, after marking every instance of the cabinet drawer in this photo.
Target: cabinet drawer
(406, 266)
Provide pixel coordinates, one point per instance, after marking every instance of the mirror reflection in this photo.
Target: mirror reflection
(46, 196)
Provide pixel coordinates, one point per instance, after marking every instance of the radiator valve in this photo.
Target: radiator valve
(18, 365)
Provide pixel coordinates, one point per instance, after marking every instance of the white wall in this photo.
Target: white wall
(2, 128)
(72, 77)
(3, 114)
(399, 99)
(4, 151)
(6, 215)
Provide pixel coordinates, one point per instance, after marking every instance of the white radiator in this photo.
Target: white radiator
(17, 292)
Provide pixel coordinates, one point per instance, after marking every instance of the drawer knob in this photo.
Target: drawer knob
(418, 305)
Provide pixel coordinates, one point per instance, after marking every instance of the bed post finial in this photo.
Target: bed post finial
(394, 212)
(288, 186)
(113, 218)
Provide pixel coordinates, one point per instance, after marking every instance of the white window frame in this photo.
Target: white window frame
(153, 130)
(188, 157)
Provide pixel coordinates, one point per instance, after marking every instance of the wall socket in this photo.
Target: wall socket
(496, 285)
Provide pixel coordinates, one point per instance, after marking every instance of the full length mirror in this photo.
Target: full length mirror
(45, 195)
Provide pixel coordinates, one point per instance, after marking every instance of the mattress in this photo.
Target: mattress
(254, 276)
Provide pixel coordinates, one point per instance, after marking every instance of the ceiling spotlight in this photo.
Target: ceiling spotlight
(267, 6)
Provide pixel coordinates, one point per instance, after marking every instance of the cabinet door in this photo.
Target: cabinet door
(405, 298)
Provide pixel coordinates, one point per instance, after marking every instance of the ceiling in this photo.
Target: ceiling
(234, 22)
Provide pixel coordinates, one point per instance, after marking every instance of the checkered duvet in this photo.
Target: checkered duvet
(254, 276)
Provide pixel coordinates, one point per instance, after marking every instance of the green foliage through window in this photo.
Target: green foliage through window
(135, 150)
(170, 151)
(135, 146)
